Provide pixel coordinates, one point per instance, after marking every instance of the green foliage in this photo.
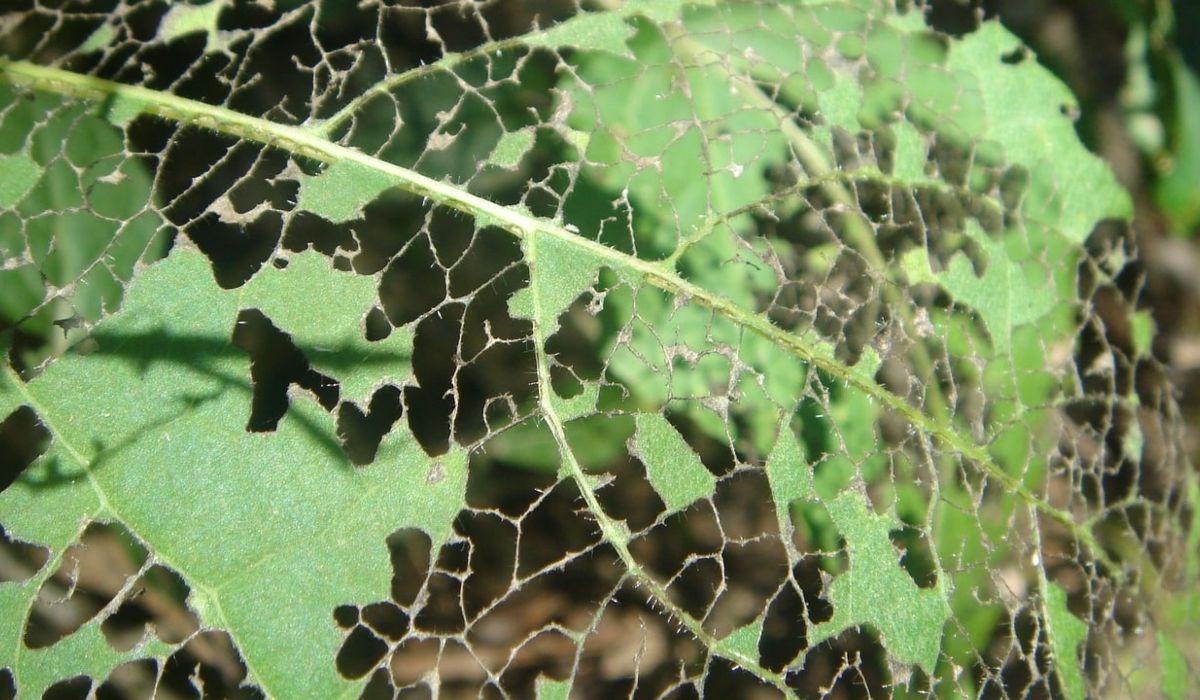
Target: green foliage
(1161, 104)
(813, 324)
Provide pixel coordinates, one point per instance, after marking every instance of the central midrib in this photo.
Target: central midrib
(308, 142)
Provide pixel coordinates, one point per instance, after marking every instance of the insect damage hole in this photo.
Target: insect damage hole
(276, 364)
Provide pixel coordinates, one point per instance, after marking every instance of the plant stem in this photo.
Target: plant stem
(614, 533)
(310, 144)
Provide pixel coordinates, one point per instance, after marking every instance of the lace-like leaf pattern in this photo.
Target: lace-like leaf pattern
(508, 349)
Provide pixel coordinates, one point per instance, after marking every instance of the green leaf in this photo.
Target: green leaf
(790, 476)
(341, 190)
(183, 19)
(1025, 115)
(552, 690)
(741, 643)
(561, 272)
(876, 591)
(679, 346)
(1007, 295)
(334, 329)
(605, 31)
(672, 467)
(511, 148)
(1178, 191)
(1175, 680)
(1066, 633)
(18, 174)
(280, 527)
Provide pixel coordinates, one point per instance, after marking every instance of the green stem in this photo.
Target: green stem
(613, 532)
(308, 143)
(327, 127)
(857, 233)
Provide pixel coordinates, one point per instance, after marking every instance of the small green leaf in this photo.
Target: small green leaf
(341, 191)
(149, 431)
(18, 174)
(185, 18)
(511, 148)
(1066, 633)
(604, 31)
(98, 39)
(742, 643)
(790, 476)
(1143, 331)
(548, 689)
(1175, 676)
(560, 273)
(671, 466)
(1006, 295)
(877, 591)
(1024, 107)
(1178, 191)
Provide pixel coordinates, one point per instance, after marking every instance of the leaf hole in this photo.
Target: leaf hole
(695, 587)
(360, 653)
(952, 17)
(413, 285)
(916, 557)
(442, 612)
(784, 628)
(275, 365)
(682, 537)
(632, 497)
(1016, 56)
(23, 439)
(430, 404)
(208, 660)
(455, 237)
(557, 512)
(844, 664)
(380, 686)
(77, 688)
(727, 680)
(158, 600)
(634, 647)
(346, 616)
(261, 188)
(753, 572)
(495, 484)
(238, 250)
(377, 326)
(91, 574)
(717, 456)
(308, 230)
(410, 555)
(493, 559)
(845, 149)
(125, 681)
(386, 620)
(361, 433)
(412, 661)
(572, 347)
(546, 654)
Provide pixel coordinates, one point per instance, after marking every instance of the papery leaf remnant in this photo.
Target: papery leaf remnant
(508, 349)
